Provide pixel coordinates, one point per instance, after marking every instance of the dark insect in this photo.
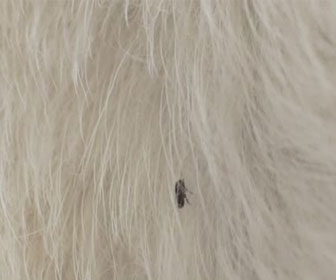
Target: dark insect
(180, 192)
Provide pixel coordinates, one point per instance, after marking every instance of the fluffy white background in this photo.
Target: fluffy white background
(104, 105)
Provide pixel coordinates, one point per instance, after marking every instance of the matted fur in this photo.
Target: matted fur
(104, 105)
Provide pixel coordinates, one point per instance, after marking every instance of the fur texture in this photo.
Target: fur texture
(105, 105)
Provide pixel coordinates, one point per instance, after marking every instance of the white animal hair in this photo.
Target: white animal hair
(106, 104)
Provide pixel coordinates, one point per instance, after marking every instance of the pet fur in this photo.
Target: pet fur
(105, 105)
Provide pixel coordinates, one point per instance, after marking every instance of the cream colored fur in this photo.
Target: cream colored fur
(104, 105)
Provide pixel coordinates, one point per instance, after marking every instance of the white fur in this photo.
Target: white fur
(104, 105)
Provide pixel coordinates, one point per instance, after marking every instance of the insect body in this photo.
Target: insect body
(180, 192)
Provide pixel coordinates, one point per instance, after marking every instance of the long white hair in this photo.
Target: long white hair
(105, 105)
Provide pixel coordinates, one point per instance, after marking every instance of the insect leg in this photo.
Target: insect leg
(189, 191)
